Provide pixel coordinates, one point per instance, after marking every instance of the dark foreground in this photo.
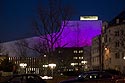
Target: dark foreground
(59, 79)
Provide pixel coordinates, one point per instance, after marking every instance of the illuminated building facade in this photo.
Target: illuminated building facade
(114, 47)
(80, 33)
(95, 53)
(70, 59)
(32, 64)
(88, 17)
(75, 36)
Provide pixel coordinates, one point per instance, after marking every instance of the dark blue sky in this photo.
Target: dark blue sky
(16, 15)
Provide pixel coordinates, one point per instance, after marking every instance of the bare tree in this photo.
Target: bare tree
(50, 25)
(21, 49)
(3, 51)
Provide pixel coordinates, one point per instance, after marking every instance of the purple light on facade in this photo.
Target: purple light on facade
(80, 33)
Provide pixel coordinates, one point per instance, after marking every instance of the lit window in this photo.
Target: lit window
(76, 63)
(9, 58)
(75, 51)
(84, 62)
(80, 64)
(75, 57)
(76, 69)
(80, 51)
(59, 51)
(73, 64)
(80, 57)
(70, 69)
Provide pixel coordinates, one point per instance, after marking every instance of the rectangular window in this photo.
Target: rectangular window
(116, 33)
(117, 56)
(75, 57)
(123, 55)
(122, 32)
(105, 38)
(109, 39)
(117, 44)
(75, 51)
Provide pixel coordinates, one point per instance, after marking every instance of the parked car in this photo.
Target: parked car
(93, 77)
(24, 78)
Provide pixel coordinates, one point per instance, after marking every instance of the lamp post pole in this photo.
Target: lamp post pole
(52, 66)
(23, 66)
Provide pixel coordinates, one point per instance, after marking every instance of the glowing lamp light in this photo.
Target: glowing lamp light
(72, 64)
(84, 62)
(45, 65)
(124, 57)
(52, 65)
(23, 65)
(106, 48)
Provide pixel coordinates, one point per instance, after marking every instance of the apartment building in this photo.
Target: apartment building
(112, 45)
(95, 53)
(73, 59)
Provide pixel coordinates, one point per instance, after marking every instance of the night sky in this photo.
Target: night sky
(16, 15)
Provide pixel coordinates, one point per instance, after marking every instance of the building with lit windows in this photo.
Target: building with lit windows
(72, 55)
(2, 57)
(31, 64)
(95, 53)
(72, 59)
(114, 47)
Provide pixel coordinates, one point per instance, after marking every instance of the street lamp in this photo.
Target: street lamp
(23, 66)
(84, 65)
(52, 66)
(124, 57)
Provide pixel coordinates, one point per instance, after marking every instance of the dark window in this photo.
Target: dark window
(109, 39)
(105, 38)
(122, 32)
(109, 31)
(117, 44)
(123, 55)
(117, 55)
(116, 33)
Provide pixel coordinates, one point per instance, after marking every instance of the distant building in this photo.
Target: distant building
(30, 64)
(2, 57)
(72, 59)
(95, 53)
(75, 36)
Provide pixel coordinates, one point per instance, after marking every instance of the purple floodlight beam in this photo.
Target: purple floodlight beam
(80, 33)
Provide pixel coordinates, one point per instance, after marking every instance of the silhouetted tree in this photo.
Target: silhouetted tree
(21, 49)
(6, 65)
(49, 26)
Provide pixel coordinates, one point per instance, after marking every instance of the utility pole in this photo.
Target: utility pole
(101, 50)
(100, 53)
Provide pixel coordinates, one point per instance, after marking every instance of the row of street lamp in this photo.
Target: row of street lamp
(52, 66)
